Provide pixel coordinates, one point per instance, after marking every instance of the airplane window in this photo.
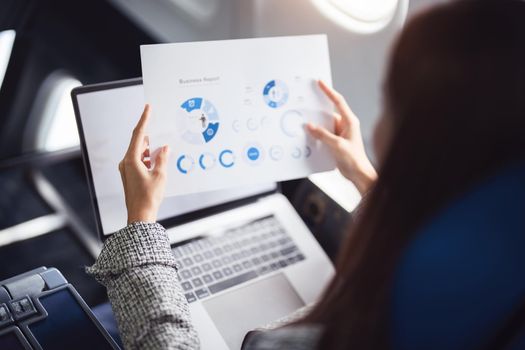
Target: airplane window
(7, 38)
(362, 16)
(59, 128)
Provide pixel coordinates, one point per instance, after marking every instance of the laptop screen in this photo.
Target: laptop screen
(106, 115)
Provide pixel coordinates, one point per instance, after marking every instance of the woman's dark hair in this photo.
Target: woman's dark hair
(455, 90)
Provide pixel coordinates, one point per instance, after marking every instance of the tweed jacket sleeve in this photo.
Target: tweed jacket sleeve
(138, 269)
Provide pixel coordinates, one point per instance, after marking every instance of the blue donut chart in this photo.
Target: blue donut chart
(227, 164)
(275, 93)
(210, 120)
(181, 168)
(202, 161)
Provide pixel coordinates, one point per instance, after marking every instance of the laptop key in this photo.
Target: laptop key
(217, 275)
(237, 267)
(227, 271)
(197, 282)
(206, 266)
(263, 270)
(196, 270)
(176, 253)
(228, 283)
(186, 286)
(190, 297)
(187, 261)
(207, 279)
(186, 249)
(202, 293)
(288, 250)
(196, 245)
(185, 274)
(284, 240)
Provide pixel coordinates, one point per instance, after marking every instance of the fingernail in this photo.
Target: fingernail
(166, 149)
(310, 126)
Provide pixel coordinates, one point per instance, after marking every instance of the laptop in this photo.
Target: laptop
(246, 258)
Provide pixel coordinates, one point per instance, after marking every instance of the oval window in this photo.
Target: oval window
(361, 16)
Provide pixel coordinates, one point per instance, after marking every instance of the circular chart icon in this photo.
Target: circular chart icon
(185, 164)
(227, 158)
(292, 123)
(296, 153)
(207, 161)
(199, 121)
(253, 153)
(275, 93)
(307, 151)
(276, 152)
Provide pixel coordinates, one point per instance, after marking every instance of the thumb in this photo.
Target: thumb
(161, 161)
(322, 134)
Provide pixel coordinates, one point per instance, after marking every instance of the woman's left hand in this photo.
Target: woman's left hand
(346, 143)
(143, 187)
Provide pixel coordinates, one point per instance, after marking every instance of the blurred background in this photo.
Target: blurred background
(48, 47)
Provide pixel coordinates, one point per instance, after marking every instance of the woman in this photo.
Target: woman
(454, 114)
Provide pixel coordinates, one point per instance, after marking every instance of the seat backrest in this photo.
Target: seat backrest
(463, 275)
(39, 309)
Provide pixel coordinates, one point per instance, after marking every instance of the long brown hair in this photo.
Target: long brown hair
(455, 90)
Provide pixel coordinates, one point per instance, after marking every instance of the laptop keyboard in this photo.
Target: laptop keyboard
(209, 265)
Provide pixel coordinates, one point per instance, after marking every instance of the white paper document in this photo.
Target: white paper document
(233, 112)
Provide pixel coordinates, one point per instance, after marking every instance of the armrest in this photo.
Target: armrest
(38, 159)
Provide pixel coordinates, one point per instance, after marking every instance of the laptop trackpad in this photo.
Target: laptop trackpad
(237, 312)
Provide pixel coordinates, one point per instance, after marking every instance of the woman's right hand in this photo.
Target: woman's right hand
(143, 185)
(346, 143)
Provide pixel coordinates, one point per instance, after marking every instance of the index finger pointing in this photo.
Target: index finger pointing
(336, 98)
(137, 138)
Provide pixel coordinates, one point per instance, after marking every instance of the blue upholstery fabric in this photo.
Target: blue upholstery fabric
(106, 317)
(464, 273)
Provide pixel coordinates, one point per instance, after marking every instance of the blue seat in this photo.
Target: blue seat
(463, 275)
(39, 309)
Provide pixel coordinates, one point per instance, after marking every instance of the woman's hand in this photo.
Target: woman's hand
(346, 144)
(143, 187)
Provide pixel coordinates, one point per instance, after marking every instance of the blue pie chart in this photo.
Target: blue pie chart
(200, 121)
(275, 93)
